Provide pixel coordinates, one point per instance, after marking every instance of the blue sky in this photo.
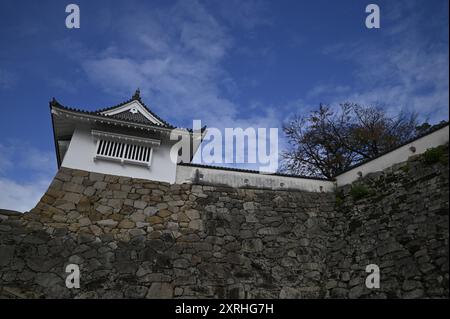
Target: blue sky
(229, 63)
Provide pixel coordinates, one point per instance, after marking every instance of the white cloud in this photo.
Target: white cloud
(21, 196)
(175, 56)
(5, 160)
(246, 14)
(325, 90)
(405, 69)
(25, 174)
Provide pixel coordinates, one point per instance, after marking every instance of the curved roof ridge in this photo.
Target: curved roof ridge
(136, 97)
(55, 103)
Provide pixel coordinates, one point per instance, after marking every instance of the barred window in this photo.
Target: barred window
(114, 149)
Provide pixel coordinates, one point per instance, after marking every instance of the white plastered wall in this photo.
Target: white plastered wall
(399, 155)
(81, 152)
(188, 174)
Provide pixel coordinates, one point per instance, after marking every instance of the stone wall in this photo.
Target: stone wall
(398, 220)
(136, 238)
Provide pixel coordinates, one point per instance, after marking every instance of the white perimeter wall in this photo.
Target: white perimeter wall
(81, 152)
(439, 137)
(186, 174)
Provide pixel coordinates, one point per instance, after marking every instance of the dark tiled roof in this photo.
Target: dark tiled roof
(126, 118)
(136, 97)
(140, 119)
(56, 104)
(134, 117)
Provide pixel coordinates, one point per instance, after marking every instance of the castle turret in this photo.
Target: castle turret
(126, 140)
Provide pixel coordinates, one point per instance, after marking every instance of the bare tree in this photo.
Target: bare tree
(326, 142)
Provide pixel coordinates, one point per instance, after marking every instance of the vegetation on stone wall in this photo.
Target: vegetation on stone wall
(359, 191)
(401, 226)
(436, 154)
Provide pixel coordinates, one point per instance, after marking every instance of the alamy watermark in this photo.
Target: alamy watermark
(373, 280)
(73, 19)
(373, 19)
(73, 278)
(258, 146)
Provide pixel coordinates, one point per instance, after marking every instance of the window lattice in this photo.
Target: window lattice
(123, 152)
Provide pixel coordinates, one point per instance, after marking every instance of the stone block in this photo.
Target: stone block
(107, 223)
(126, 223)
(160, 290)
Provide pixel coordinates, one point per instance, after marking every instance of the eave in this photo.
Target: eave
(57, 110)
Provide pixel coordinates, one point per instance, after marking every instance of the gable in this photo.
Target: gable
(133, 111)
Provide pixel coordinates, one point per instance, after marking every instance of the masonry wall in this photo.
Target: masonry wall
(135, 238)
(398, 220)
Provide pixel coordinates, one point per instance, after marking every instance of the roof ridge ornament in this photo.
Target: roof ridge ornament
(100, 112)
(53, 102)
(137, 95)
